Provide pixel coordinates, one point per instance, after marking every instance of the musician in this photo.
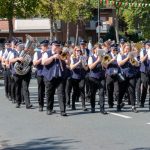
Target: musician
(37, 62)
(128, 70)
(86, 52)
(137, 76)
(21, 81)
(112, 82)
(145, 72)
(12, 81)
(1, 54)
(78, 67)
(96, 79)
(53, 73)
(121, 45)
(6, 71)
(66, 57)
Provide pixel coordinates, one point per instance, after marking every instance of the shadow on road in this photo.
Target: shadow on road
(141, 148)
(44, 144)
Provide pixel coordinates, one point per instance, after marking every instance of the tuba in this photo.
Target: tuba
(22, 68)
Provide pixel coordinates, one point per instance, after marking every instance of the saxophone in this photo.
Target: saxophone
(22, 68)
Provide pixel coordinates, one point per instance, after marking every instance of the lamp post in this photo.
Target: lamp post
(98, 20)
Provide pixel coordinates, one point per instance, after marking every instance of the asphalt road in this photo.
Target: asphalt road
(22, 129)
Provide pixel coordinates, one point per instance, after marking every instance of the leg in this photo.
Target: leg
(110, 89)
(75, 94)
(25, 86)
(82, 93)
(93, 89)
(61, 95)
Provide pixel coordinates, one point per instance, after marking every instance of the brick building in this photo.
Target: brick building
(39, 27)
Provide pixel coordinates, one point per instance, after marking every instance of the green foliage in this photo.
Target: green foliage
(17, 8)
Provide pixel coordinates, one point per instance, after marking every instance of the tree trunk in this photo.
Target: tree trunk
(67, 37)
(55, 31)
(51, 30)
(11, 30)
(77, 34)
(117, 29)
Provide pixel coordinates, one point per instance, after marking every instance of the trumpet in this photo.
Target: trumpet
(64, 55)
(106, 59)
(132, 60)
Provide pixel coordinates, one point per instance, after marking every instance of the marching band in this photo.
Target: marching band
(75, 73)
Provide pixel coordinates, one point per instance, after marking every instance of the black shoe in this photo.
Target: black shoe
(63, 114)
(50, 112)
(84, 109)
(40, 109)
(92, 110)
(134, 110)
(103, 112)
(18, 106)
(28, 107)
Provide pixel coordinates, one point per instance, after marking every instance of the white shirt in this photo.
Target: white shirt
(12, 55)
(119, 58)
(5, 53)
(45, 55)
(90, 60)
(148, 54)
(1, 53)
(35, 56)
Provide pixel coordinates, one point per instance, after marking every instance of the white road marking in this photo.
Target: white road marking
(148, 123)
(32, 87)
(119, 115)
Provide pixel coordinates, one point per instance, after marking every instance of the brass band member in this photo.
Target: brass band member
(78, 67)
(97, 80)
(53, 73)
(37, 62)
(21, 81)
(145, 72)
(112, 82)
(6, 71)
(129, 73)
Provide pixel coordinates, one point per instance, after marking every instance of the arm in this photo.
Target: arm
(122, 62)
(73, 66)
(93, 65)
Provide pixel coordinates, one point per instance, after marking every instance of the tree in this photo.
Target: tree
(16, 8)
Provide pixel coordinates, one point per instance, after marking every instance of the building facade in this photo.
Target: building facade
(40, 28)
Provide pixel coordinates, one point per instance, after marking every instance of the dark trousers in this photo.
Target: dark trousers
(138, 89)
(78, 91)
(112, 84)
(7, 82)
(13, 89)
(129, 84)
(22, 86)
(41, 90)
(87, 85)
(51, 86)
(145, 79)
(97, 84)
(68, 90)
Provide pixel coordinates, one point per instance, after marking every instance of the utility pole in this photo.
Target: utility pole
(98, 20)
